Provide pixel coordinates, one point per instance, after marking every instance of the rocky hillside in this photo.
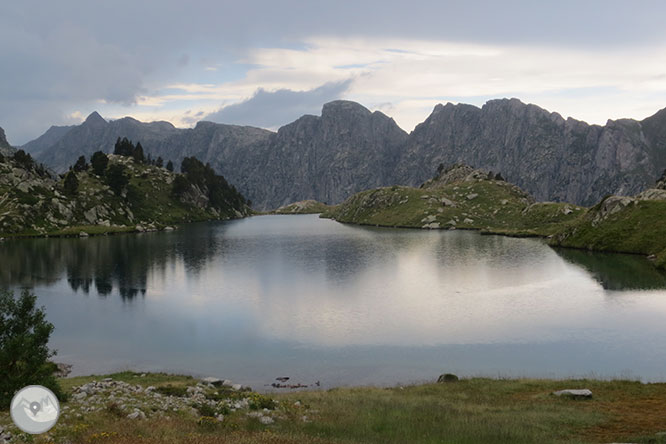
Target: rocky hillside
(127, 196)
(348, 149)
(325, 158)
(303, 207)
(550, 157)
(460, 197)
(5, 148)
(623, 224)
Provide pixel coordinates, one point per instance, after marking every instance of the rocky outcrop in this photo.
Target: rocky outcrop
(548, 156)
(34, 202)
(5, 147)
(348, 149)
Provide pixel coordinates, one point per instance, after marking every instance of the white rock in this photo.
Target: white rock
(137, 414)
(236, 387)
(212, 380)
(266, 420)
(576, 393)
(472, 196)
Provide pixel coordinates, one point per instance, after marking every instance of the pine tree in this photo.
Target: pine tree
(159, 162)
(169, 166)
(116, 178)
(71, 184)
(137, 153)
(81, 164)
(99, 162)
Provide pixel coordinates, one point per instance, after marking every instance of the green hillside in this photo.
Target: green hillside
(122, 194)
(459, 198)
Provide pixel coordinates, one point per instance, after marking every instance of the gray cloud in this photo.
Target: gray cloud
(58, 55)
(270, 109)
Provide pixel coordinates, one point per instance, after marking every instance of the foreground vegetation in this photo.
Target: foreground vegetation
(467, 411)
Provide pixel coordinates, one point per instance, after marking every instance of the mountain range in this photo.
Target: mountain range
(349, 148)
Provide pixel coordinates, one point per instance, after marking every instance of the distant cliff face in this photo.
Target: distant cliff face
(5, 148)
(350, 149)
(325, 158)
(552, 158)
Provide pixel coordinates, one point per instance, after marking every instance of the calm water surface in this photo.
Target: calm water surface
(315, 300)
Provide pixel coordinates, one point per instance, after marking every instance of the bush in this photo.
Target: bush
(24, 352)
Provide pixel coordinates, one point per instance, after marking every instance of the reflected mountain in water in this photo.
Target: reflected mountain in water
(105, 263)
(617, 271)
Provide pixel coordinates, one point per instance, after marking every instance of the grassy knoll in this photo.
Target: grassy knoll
(489, 205)
(303, 207)
(468, 411)
(637, 227)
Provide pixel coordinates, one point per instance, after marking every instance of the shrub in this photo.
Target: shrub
(24, 352)
(170, 390)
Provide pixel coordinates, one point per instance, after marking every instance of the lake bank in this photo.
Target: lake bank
(174, 409)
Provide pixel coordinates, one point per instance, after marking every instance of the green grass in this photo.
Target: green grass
(476, 410)
(637, 228)
(304, 207)
(498, 207)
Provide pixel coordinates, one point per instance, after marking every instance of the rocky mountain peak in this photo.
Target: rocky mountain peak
(95, 119)
(337, 108)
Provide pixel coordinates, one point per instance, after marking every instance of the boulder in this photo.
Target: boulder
(137, 414)
(472, 196)
(447, 377)
(574, 393)
(212, 380)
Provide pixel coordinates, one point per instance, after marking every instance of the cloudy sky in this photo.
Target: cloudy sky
(266, 62)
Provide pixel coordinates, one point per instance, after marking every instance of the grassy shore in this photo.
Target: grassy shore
(468, 411)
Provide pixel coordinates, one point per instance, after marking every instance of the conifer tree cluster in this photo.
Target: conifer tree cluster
(221, 194)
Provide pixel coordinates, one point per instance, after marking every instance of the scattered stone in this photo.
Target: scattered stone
(83, 234)
(236, 387)
(212, 380)
(504, 201)
(574, 393)
(432, 226)
(168, 228)
(447, 377)
(447, 203)
(472, 196)
(79, 396)
(429, 219)
(137, 414)
(63, 370)
(468, 220)
(266, 420)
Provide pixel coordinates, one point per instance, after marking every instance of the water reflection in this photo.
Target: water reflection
(291, 294)
(617, 271)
